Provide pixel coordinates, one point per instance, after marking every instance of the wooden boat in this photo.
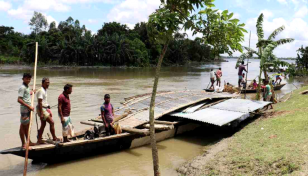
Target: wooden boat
(209, 90)
(278, 87)
(134, 125)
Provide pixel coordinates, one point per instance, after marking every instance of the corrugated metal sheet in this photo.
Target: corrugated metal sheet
(212, 116)
(225, 112)
(240, 105)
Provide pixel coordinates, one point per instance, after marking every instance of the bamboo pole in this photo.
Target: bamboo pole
(247, 66)
(31, 113)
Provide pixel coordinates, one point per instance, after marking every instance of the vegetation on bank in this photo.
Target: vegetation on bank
(71, 43)
(275, 144)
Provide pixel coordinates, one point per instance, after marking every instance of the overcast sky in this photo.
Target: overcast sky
(93, 13)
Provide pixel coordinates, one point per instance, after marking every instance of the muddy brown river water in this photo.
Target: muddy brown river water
(89, 87)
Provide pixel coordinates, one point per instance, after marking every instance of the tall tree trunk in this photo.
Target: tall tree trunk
(152, 106)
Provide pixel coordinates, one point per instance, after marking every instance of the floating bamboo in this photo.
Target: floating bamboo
(31, 113)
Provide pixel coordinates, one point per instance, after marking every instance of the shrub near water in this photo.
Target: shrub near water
(9, 60)
(273, 145)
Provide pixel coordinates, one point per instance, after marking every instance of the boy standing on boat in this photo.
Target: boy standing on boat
(64, 110)
(218, 76)
(107, 114)
(240, 73)
(25, 108)
(44, 112)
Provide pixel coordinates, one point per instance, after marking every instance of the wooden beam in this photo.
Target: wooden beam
(165, 122)
(91, 123)
(160, 127)
(136, 131)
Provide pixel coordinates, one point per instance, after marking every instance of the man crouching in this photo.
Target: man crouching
(64, 110)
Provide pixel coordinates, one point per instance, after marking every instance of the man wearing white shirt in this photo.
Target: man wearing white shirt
(44, 112)
(212, 77)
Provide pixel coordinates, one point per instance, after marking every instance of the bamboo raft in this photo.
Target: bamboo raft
(135, 126)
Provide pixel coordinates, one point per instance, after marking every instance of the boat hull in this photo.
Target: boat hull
(279, 87)
(65, 153)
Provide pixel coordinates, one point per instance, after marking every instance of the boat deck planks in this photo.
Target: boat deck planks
(164, 104)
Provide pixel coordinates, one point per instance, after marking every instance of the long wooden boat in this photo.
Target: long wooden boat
(134, 125)
(278, 87)
(56, 153)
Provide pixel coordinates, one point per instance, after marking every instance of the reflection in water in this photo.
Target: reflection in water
(89, 87)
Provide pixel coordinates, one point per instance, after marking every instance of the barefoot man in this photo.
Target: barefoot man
(64, 110)
(44, 112)
(25, 108)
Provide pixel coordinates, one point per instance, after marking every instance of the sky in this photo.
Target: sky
(293, 14)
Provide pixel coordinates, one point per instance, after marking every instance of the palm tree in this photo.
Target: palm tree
(265, 50)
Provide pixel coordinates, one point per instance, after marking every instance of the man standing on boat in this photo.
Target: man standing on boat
(212, 78)
(64, 111)
(107, 114)
(44, 112)
(218, 77)
(24, 100)
(240, 73)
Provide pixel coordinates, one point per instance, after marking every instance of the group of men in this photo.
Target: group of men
(43, 111)
(217, 75)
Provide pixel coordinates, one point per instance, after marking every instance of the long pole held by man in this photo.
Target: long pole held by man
(247, 64)
(31, 113)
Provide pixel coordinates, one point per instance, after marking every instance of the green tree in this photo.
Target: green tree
(161, 26)
(220, 30)
(38, 22)
(302, 58)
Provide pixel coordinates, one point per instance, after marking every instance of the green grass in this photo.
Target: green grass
(276, 145)
(9, 59)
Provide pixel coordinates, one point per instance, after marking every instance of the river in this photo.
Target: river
(90, 85)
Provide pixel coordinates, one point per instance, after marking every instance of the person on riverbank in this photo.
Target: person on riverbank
(268, 93)
(273, 83)
(44, 112)
(254, 85)
(218, 77)
(24, 100)
(64, 111)
(107, 114)
(212, 78)
(240, 73)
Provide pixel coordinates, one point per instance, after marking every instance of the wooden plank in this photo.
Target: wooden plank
(43, 147)
(135, 131)
(116, 136)
(165, 122)
(160, 127)
(91, 123)
(73, 143)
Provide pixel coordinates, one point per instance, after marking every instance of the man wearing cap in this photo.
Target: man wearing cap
(107, 115)
(64, 111)
(44, 112)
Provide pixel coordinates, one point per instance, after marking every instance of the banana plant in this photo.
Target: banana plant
(265, 50)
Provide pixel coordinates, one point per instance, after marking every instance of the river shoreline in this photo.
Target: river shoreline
(19, 66)
(261, 148)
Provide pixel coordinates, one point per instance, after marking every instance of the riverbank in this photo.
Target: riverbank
(274, 144)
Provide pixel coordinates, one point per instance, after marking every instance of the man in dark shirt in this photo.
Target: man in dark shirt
(107, 114)
(64, 110)
(240, 73)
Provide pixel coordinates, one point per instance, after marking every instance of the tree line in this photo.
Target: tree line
(113, 45)
(116, 44)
